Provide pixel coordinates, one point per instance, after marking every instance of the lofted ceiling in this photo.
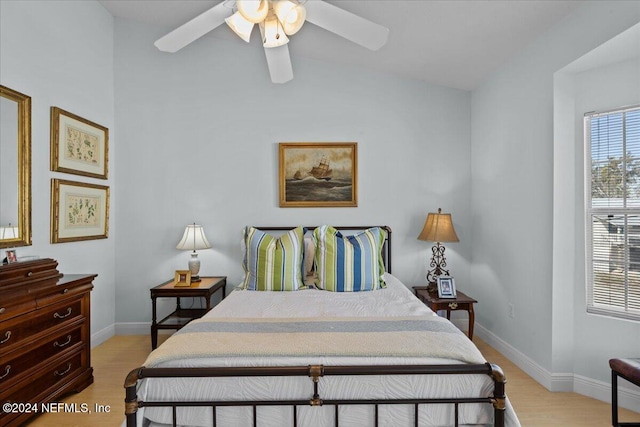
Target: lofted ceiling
(450, 43)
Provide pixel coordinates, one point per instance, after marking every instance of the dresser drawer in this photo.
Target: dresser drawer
(8, 311)
(24, 273)
(18, 329)
(43, 383)
(17, 365)
(60, 292)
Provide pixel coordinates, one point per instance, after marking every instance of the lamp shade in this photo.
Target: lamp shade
(9, 232)
(193, 238)
(240, 26)
(290, 15)
(438, 228)
(253, 10)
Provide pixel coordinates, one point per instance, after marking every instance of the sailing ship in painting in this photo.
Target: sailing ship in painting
(322, 171)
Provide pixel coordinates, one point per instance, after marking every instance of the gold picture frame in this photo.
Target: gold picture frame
(318, 174)
(78, 146)
(79, 211)
(182, 279)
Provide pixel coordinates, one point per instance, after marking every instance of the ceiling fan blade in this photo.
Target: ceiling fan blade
(279, 63)
(194, 29)
(346, 24)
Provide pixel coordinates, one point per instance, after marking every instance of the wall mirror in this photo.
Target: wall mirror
(15, 168)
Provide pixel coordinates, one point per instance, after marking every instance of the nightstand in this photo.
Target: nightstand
(460, 302)
(181, 316)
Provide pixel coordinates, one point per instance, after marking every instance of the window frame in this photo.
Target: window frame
(590, 212)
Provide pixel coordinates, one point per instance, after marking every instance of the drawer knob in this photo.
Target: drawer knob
(62, 316)
(65, 291)
(453, 305)
(57, 344)
(30, 273)
(7, 369)
(7, 335)
(60, 374)
(2, 310)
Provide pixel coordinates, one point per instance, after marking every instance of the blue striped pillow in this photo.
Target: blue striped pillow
(273, 263)
(349, 263)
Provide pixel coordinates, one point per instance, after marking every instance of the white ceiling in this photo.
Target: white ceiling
(451, 43)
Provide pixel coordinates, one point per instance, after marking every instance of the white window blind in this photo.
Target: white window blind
(612, 180)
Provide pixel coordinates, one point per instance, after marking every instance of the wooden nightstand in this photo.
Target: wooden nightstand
(460, 302)
(181, 316)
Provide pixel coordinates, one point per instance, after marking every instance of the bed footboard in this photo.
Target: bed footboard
(315, 372)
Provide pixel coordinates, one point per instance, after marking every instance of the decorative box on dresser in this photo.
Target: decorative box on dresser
(45, 348)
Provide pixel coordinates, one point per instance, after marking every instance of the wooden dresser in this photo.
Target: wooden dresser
(45, 348)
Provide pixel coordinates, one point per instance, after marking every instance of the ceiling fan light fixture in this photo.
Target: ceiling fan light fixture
(273, 34)
(240, 26)
(253, 10)
(291, 15)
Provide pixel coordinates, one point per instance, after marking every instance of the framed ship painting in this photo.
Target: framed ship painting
(318, 174)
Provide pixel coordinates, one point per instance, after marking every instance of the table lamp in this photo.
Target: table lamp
(9, 232)
(193, 239)
(437, 228)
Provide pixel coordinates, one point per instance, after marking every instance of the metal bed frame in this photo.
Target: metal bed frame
(316, 373)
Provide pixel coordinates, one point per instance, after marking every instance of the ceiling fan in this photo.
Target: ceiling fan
(276, 19)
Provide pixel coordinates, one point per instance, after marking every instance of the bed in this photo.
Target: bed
(313, 357)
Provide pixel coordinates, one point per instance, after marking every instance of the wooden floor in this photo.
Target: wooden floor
(535, 406)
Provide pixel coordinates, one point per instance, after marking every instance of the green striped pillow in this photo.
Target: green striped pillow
(349, 263)
(273, 263)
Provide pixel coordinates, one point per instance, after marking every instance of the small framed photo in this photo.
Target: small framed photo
(182, 279)
(11, 256)
(446, 287)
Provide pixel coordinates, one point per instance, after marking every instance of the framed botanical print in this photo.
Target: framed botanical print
(78, 146)
(79, 211)
(321, 174)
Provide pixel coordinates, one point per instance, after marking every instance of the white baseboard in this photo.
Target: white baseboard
(627, 398)
(552, 382)
(102, 335)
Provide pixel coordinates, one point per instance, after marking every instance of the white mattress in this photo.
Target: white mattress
(395, 300)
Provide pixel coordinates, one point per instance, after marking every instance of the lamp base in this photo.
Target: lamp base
(438, 262)
(194, 267)
(432, 288)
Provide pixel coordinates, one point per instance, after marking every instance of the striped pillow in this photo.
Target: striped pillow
(273, 263)
(349, 263)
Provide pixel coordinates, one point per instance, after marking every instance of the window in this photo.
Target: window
(612, 178)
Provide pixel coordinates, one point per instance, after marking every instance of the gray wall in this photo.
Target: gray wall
(517, 246)
(199, 132)
(598, 88)
(61, 54)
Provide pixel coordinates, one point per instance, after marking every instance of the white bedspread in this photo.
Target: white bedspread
(394, 301)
